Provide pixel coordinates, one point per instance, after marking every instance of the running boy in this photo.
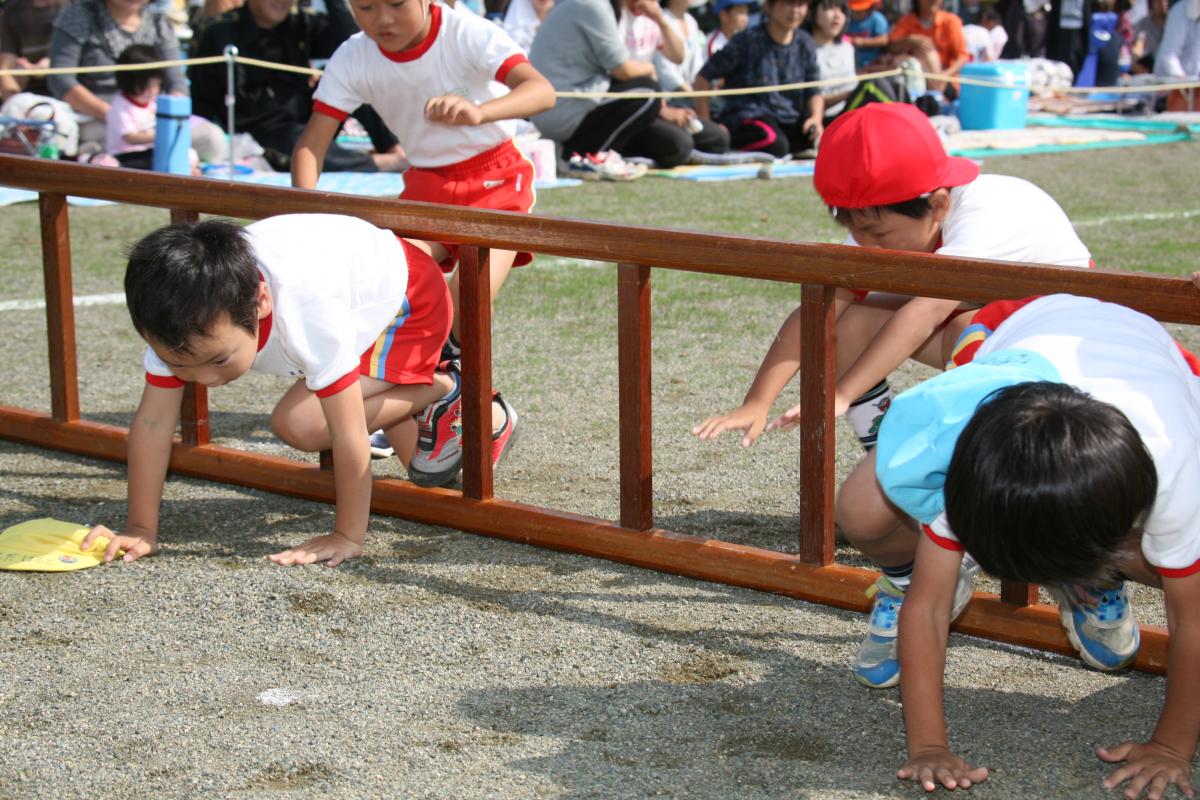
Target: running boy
(353, 312)
(885, 176)
(432, 74)
(1065, 451)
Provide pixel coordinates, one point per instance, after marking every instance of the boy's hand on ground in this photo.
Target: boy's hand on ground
(453, 109)
(135, 543)
(743, 418)
(333, 549)
(1149, 767)
(940, 767)
(791, 418)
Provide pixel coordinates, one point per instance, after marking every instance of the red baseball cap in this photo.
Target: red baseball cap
(884, 153)
(862, 5)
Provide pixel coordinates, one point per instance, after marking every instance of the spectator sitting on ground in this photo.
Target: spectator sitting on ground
(770, 54)
(274, 106)
(944, 29)
(91, 33)
(1147, 33)
(867, 30)
(732, 18)
(25, 29)
(1179, 51)
(522, 18)
(835, 56)
(580, 48)
(651, 36)
(132, 116)
(679, 77)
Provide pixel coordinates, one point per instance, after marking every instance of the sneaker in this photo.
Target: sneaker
(603, 166)
(439, 439)
(1099, 623)
(380, 447)
(877, 664)
(504, 438)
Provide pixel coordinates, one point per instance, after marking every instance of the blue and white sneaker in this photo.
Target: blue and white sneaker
(877, 664)
(1100, 623)
(380, 446)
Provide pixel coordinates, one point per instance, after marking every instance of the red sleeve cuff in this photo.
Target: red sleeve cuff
(164, 381)
(509, 64)
(942, 541)
(338, 385)
(329, 111)
(1182, 572)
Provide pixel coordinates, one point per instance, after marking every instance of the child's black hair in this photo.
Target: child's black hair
(1046, 483)
(917, 208)
(181, 279)
(810, 20)
(134, 82)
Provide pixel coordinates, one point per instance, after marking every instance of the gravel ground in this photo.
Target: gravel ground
(449, 665)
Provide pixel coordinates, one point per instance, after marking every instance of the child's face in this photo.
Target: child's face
(831, 20)
(151, 91)
(224, 355)
(893, 231)
(787, 14)
(734, 19)
(394, 25)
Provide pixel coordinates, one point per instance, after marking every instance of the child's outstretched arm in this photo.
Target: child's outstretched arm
(308, 157)
(1167, 758)
(924, 627)
(781, 362)
(529, 93)
(149, 452)
(898, 339)
(347, 420)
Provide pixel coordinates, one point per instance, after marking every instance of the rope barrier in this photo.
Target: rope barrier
(787, 87)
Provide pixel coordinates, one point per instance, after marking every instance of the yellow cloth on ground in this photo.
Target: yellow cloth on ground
(48, 545)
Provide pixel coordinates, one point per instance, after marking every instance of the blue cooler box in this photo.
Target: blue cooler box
(988, 107)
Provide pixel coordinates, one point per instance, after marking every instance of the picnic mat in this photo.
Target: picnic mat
(366, 184)
(1058, 135)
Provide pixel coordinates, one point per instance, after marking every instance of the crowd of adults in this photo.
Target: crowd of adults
(614, 47)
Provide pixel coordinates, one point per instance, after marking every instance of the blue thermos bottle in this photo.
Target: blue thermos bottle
(173, 134)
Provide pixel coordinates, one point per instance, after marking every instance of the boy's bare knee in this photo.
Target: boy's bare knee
(861, 509)
(293, 433)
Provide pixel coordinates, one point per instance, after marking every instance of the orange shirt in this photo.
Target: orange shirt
(946, 33)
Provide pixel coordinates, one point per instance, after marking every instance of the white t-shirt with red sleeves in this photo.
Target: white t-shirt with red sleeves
(1008, 219)
(463, 54)
(336, 283)
(1120, 357)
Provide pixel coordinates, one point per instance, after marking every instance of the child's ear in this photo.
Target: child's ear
(939, 203)
(264, 300)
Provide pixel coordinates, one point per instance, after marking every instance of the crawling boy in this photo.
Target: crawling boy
(1064, 451)
(355, 314)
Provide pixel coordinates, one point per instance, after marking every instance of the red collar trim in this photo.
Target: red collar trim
(413, 53)
(264, 325)
(135, 102)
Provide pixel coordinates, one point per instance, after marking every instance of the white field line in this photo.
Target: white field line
(553, 261)
(117, 298)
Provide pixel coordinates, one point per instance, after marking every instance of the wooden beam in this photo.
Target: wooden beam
(634, 385)
(60, 305)
(475, 325)
(818, 374)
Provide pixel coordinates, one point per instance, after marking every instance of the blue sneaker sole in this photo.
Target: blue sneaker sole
(1096, 659)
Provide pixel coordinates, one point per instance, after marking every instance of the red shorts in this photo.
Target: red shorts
(408, 350)
(988, 318)
(500, 179)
